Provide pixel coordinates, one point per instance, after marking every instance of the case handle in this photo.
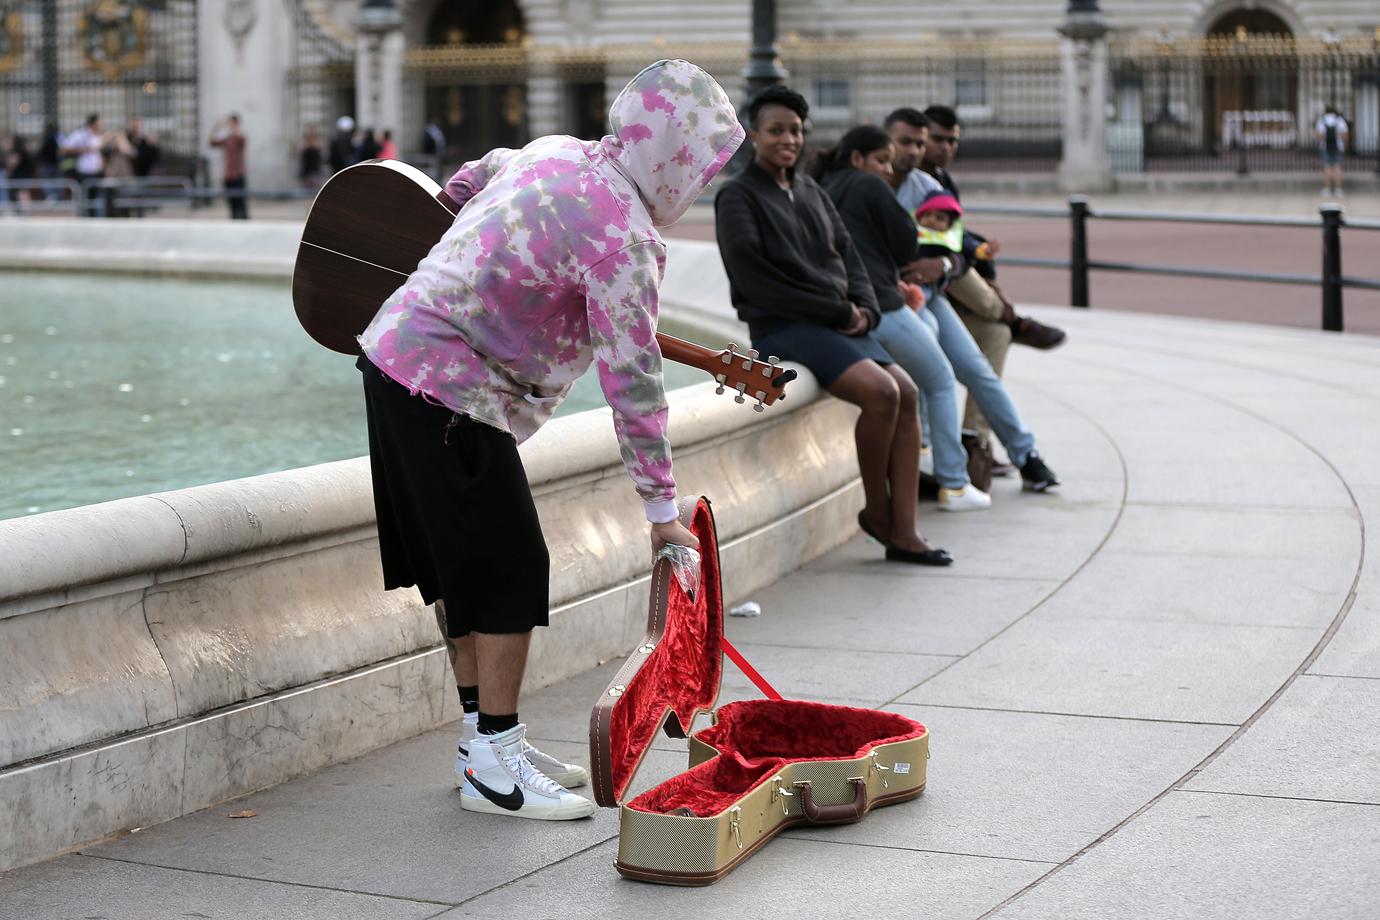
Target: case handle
(846, 813)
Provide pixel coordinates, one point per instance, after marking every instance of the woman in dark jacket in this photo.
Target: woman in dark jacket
(798, 283)
(851, 173)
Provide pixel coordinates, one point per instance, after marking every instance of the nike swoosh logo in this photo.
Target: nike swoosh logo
(510, 801)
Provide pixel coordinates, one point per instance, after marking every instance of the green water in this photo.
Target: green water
(112, 387)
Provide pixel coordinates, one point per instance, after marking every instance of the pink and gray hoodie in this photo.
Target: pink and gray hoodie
(554, 262)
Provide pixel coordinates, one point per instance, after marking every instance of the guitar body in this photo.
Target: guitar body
(373, 222)
(369, 227)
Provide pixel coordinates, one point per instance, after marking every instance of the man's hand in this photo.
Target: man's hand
(858, 324)
(671, 532)
(994, 246)
(923, 271)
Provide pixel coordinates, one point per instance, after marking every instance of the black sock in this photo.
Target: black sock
(494, 725)
(469, 698)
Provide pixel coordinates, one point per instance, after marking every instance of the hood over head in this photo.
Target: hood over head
(674, 128)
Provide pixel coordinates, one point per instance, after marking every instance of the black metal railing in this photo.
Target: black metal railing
(1331, 281)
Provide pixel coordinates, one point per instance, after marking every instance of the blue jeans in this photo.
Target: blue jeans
(912, 340)
(973, 371)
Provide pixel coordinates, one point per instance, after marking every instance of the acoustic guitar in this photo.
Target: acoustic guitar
(373, 222)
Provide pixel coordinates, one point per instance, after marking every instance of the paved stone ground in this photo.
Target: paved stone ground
(1153, 694)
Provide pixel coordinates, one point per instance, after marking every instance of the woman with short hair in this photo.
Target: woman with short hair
(798, 283)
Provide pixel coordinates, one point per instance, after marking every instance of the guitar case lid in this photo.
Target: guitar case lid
(671, 676)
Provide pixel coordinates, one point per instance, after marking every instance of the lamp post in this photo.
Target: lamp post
(764, 60)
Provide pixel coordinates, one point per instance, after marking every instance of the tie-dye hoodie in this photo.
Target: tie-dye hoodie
(554, 262)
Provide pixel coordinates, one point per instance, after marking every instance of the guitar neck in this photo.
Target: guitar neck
(688, 353)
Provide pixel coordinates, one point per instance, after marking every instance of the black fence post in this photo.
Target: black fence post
(1078, 255)
(1332, 267)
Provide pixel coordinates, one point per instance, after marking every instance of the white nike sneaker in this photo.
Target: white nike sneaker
(500, 780)
(968, 498)
(568, 775)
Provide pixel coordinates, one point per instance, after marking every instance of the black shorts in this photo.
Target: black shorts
(826, 352)
(455, 512)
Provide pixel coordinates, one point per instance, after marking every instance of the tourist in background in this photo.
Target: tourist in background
(369, 146)
(231, 141)
(797, 281)
(84, 145)
(49, 157)
(22, 167)
(310, 159)
(388, 150)
(343, 152)
(147, 153)
(1332, 132)
(119, 166)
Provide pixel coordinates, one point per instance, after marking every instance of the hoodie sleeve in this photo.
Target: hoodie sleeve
(471, 178)
(764, 283)
(621, 300)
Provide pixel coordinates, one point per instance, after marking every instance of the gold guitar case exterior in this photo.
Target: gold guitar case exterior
(763, 765)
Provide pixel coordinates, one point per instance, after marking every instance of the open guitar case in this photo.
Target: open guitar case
(762, 767)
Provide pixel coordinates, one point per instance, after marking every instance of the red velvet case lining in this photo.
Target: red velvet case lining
(756, 738)
(685, 670)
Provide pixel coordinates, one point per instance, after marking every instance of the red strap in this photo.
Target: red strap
(761, 682)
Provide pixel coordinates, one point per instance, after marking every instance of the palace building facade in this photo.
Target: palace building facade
(1197, 79)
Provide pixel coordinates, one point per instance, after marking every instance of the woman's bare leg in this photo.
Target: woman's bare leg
(904, 469)
(868, 386)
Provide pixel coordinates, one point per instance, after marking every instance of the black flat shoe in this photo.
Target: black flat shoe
(928, 557)
(863, 525)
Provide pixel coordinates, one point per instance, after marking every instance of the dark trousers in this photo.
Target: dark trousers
(239, 205)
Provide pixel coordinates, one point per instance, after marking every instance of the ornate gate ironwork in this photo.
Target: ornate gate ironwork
(61, 60)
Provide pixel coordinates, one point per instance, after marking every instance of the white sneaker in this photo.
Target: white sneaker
(500, 780)
(927, 461)
(968, 498)
(568, 775)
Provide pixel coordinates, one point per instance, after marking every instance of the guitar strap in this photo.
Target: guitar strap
(749, 671)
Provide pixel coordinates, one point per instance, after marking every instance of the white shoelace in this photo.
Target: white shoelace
(531, 776)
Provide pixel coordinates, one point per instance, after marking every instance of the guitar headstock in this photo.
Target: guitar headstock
(764, 381)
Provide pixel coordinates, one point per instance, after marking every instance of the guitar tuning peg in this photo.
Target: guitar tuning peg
(739, 398)
(751, 357)
(727, 357)
(759, 408)
(721, 380)
(773, 359)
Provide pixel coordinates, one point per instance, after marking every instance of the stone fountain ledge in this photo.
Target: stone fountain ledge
(163, 653)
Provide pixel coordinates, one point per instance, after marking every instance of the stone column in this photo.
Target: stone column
(379, 67)
(241, 56)
(1086, 166)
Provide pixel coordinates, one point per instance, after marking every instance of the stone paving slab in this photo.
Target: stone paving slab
(386, 824)
(1355, 650)
(1229, 591)
(1130, 669)
(856, 611)
(83, 888)
(792, 878)
(1320, 740)
(1209, 856)
(995, 779)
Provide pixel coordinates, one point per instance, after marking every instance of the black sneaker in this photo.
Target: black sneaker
(1035, 476)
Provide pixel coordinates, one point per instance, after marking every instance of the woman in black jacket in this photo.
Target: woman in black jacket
(798, 283)
(885, 235)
